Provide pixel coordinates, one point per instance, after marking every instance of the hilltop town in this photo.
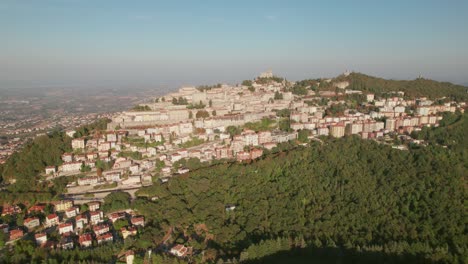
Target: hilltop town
(198, 126)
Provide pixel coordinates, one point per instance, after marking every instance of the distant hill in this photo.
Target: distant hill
(412, 88)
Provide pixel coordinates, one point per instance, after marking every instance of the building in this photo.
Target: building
(181, 250)
(41, 238)
(65, 228)
(51, 220)
(256, 153)
(78, 143)
(72, 212)
(66, 242)
(250, 138)
(74, 166)
(11, 210)
(128, 231)
(100, 229)
(107, 237)
(16, 234)
(390, 124)
(38, 208)
(337, 130)
(96, 217)
(88, 181)
(116, 216)
(31, 222)
(353, 129)
(266, 74)
(63, 205)
(243, 155)
(94, 206)
(85, 240)
(138, 221)
(50, 170)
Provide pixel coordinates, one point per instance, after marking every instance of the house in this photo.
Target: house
(63, 205)
(65, 228)
(39, 208)
(256, 153)
(116, 216)
(72, 212)
(85, 240)
(78, 143)
(67, 157)
(73, 166)
(112, 176)
(269, 145)
(51, 220)
(81, 221)
(31, 222)
(70, 133)
(11, 210)
(94, 206)
(131, 180)
(182, 170)
(91, 156)
(41, 238)
(4, 228)
(80, 157)
(230, 207)
(67, 242)
(107, 237)
(88, 181)
(96, 217)
(16, 234)
(100, 229)
(50, 170)
(138, 221)
(181, 250)
(128, 231)
(134, 169)
(129, 257)
(243, 155)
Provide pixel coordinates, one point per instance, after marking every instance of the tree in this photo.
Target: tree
(247, 83)
(202, 114)
(116, 201)
(120, 223)
(278, 96)
(85, 168)
(303, 135)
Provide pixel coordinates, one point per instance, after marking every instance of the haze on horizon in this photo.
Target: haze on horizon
(130, 43)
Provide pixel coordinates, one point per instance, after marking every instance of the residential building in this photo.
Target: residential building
(85, 240)
(31, 222)
(63, 205)
(65, 228)
(41, 238)
(51, 220)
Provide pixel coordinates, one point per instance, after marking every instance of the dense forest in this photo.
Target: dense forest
(348, 195)
(415, 88)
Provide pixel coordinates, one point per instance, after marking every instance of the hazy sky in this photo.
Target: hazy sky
(99, 42)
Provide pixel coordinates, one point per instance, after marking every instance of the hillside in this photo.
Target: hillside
(347, 195)
(412, 88)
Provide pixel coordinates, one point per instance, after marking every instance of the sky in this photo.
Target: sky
(156, 43)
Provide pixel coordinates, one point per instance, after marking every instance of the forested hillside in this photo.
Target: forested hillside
(414, 88)
(345, 194)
